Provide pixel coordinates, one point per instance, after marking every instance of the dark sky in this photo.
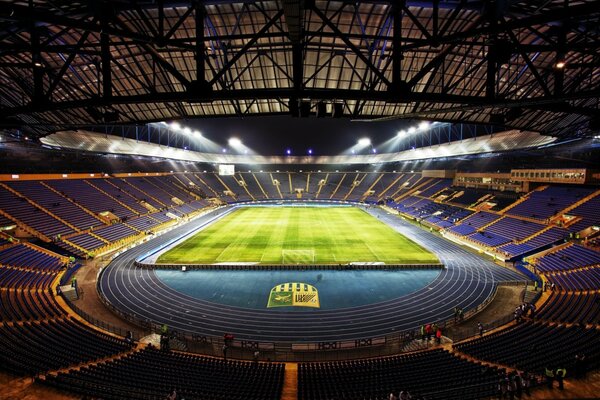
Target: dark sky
(273, 135)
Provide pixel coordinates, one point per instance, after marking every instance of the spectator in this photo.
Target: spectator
(560, 376)
(173, 395)
(405, 395)
(526, 381)
(438, 335)
(225, 352)
(480, 328)
(255, 357)
(549, 372)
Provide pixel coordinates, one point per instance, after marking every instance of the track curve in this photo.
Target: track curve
(467, 281)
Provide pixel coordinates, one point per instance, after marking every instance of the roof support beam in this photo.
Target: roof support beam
(351, 45)
(248, 45)
(105, 56)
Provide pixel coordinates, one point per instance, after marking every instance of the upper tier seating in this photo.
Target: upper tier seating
(534, 346)
(546, 203)
(34, 217)
(115, 232)
(436, 187)
(120, 195)
(550, 236)
(435, 374)
(23, 256)
(5, 222)
(153, 374)
(133, 191)
(90, 197)
(572, 256)
(55, 203)
(87, 241)
(35, 347)
(153, 194)
(470, 224)
(589, 211)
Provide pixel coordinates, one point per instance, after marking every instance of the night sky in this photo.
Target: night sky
(273, 135)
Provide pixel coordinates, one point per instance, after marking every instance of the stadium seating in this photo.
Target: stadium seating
(569, 257)
(151, 373)
(570, 307)
(586, 279)
(16, 278)
(20, 209)
(35, 347)
(23, 256)
(91, 198)
(111, 188)
(435, 374)
(26, 305)
(534, 346)
(547, 237)
(549, 202)
(55, 203)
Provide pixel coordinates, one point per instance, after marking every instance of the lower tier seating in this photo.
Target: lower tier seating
(535, 346)
(153, 374)
(23, 304)
(572, 307)
(34, 347)
(16, 278)
(416, 373)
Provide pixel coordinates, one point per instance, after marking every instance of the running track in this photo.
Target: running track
(466, 282)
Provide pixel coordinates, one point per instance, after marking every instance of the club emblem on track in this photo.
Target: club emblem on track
(293, 294)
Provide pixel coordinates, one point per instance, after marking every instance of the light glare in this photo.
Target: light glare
(364, 141)
(235, 142)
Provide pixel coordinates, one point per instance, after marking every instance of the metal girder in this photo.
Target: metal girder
(351, 45)
(247, 46)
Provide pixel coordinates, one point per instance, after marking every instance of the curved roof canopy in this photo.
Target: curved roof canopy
(526, 64)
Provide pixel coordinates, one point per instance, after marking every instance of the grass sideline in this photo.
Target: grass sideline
(336, 235)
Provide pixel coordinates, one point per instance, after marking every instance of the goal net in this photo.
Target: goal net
(303, 256)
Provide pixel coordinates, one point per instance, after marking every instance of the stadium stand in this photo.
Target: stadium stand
(25, 346)
(377, 378)
(56, 204)
(535, 346)
(152, 373)
(571, 307)
(31, 216)
(24, 256)
(569, 257)
(548, 202)
(92, 198)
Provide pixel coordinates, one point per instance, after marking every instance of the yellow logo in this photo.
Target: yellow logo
(294, 294)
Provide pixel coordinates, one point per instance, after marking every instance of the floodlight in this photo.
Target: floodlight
(187, 130)
(310, 152)
(224, 150)
(374, 150)
(424, 125)
(288, 152)
(175, 126)
(198, 133)
(235, 142)
(412, 130)
(560, 64)
(401, 133)
(364, 141)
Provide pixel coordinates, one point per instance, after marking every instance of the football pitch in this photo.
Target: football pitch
(298, 235)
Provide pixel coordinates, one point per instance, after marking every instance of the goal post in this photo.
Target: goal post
(297, 256)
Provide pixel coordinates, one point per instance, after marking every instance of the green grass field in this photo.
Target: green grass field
(298, 235)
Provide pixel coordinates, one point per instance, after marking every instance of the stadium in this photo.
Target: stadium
(299, 199)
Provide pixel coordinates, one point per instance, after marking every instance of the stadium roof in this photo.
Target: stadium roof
(528, 64)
